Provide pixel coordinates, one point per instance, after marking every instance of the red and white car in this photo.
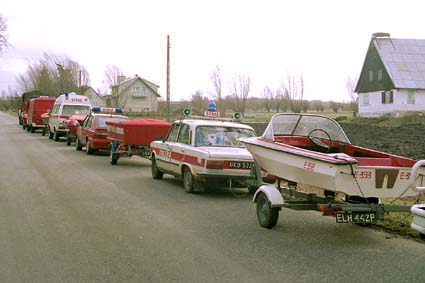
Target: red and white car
(92, 133)
(204, 152)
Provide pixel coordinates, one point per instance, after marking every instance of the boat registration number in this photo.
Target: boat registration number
(240, 165)
(356, 217)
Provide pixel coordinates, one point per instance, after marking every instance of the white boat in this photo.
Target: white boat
(314, 150)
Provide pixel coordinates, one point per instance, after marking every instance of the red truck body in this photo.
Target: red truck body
(38, 106)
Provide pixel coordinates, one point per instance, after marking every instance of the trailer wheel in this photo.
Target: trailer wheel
(78, 145)
(422, 236)
(267, 216)
(156, 173)
(50, 134)
(28, 128)
(188, 181)
(32, 129)
(113, 156)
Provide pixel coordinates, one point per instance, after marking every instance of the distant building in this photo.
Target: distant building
(95, 98)
(392, 80)
(134, 95)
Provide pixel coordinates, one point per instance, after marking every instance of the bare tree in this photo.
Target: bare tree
(268, 96)
(111, 76)
(217, 79)
(293, 91)
(199, 102)
(53, 75)
(351, 85)
(4, 41)
(240, 91)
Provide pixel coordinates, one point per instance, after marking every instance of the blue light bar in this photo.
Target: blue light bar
(107, 110)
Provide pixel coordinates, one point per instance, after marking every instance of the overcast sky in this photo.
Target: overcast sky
(324, 41)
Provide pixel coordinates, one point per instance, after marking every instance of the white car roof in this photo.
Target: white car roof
(201, 122)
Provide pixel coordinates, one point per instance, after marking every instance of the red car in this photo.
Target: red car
(71, 127)
(92, 133)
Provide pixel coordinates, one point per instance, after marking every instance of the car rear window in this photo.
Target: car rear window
(102, 119)
(221, 136)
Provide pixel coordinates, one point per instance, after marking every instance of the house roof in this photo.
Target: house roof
(404, 60)
(128, 82)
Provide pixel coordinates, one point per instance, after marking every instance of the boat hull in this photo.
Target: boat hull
(339, 175)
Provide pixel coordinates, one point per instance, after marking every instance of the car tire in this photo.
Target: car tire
(113, 156)
(156, 173)
(89, 150)
(267, 216)
(188, 181)
(32, 129)
(78, 145)
(56, 136)
(68, 139)
(50, 134)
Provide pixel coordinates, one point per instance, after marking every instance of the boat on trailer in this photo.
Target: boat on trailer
(314, 150)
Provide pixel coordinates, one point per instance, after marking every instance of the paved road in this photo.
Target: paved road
(69, 217)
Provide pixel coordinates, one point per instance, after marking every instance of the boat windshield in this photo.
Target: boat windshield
(303, 125)
(221, 136)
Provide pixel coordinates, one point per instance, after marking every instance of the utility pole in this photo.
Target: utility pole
(168, 78)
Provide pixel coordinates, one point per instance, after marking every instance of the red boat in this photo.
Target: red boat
(133, 137)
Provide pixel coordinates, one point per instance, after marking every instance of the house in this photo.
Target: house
(135, 95)
(95, 98)
(392, 80)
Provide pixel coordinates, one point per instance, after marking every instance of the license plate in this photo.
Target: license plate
(356, 217)
(240, 165)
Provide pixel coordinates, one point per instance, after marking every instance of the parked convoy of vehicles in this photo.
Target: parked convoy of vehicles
(66, 105)
(204, 152)
(295, 148)
(92, 133)
(37, 107)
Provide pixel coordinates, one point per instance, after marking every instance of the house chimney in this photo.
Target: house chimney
(380, 34)
(120, 79)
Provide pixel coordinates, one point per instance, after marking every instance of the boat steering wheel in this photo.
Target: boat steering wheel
(318, 142)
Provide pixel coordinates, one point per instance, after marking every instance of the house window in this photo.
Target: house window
(370, 75)
(387, 97)
(379, 74)
(145, 109)
(137, 91)
(365, 99)
(411, 96)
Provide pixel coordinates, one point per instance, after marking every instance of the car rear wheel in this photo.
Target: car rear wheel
(267, 216)
(156, 173)
(50, 134)
(78, 145)
(188, 181)
(89, 150)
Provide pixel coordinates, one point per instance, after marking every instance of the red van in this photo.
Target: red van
(38, 106)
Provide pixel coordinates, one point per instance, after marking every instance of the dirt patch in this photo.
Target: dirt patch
(407, 141)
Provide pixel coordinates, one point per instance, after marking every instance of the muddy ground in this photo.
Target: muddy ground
(407, 140)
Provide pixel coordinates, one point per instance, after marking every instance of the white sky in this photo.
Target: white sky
(324, 41)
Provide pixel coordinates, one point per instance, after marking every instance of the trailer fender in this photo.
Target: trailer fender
(414, 174)
(273, 195)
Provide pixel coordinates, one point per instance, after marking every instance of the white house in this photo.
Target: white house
(135, 95)
(93, 96)
(392, 80)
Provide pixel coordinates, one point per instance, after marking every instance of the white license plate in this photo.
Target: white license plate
(240, 165)
(356, 217)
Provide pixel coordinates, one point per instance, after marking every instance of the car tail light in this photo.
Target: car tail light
(215, 164)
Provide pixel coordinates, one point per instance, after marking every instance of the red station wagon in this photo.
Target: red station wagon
(92, 133)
